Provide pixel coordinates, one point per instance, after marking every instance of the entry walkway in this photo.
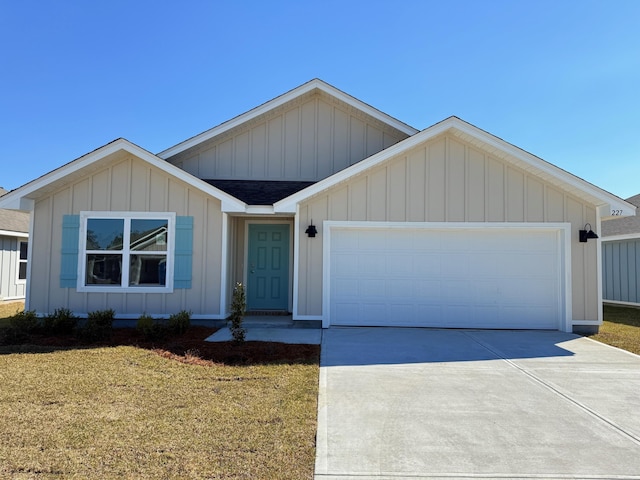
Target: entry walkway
(270, 328)
(414, 404)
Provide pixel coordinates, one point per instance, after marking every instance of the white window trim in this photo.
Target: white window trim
(19, 280)
(82, 252)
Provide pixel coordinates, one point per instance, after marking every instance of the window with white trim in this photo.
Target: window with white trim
(129, 252)
(22, 261)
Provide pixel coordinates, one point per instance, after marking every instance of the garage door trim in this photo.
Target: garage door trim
(562, 230)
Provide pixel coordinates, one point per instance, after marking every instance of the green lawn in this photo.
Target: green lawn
(621, 328)
(126, 412)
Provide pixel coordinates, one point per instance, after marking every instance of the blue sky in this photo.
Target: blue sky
(560, 79)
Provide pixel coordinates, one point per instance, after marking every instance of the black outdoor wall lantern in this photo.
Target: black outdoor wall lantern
(587, 233)
(311, 230)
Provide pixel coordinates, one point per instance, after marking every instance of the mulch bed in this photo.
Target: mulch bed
(191, 348)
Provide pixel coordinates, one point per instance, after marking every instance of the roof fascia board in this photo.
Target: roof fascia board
(368, 109)
(605, 197)
(617, 238)
(16, 198)
(11, 233)
(10, 202)
(601, 197)
(281, 100)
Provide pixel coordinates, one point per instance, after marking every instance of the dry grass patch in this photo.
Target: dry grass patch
(8, 309)
(621, 328)
(126, 412)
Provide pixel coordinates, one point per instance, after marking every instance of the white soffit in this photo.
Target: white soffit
(93, 160)
(483, 140)
(315, 84)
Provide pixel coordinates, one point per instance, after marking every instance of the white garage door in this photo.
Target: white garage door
(448, 277)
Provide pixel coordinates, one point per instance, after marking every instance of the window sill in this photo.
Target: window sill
(105, 289)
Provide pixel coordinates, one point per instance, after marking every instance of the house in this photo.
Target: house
(330, 209)
(14, 244)
(621, 259)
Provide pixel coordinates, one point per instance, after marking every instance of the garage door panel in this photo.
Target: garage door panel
(346, 288)
(455, 264)
(397, 240)
(370, 264)
(344, 312)
(426, 241)
(427, 263)
(497, 278)
(345, 265)
(399, 264)
(372, 288)
(426, 288)
(399, 288)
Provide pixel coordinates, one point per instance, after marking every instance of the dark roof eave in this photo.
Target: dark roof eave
(259, 192)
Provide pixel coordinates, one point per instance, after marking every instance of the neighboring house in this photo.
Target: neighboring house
(326, 208)
(14, 247)
(621, 258)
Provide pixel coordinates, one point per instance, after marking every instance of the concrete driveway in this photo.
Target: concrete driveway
(422, 403)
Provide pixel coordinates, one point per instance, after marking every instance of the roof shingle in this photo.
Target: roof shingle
(259, 192)
(13, 220)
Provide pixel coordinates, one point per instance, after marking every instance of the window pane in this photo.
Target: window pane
(23, 250)
(105, 233)
(148, 270)
(104, 270)
(149, 235)
(22, 271)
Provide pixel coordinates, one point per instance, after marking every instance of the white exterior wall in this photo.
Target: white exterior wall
(10, 287)
(306, 140)
(122, 185)
(447, 180)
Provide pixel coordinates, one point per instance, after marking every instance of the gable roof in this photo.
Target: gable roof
(623, 226)
(12, 221)
(485, 141)
(309, 87)
(22, 198)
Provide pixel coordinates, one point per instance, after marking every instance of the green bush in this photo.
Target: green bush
(144, 325)
(99, 326)
(20, 328)
(149, 328)
(179, 322)
(25, 322)
(238, 308)
(61, 321)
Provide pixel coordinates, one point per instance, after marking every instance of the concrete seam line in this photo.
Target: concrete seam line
(322, 434)
(558, 392)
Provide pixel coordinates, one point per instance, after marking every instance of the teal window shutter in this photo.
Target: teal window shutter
(183, 252)
(70, 240)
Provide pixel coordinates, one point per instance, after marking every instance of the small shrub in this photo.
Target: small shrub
(238, 309)
(179, 322)
(98, 326)
(25, 322)
(149, 328)
(61, 321)
(145, 324)
(20, 328)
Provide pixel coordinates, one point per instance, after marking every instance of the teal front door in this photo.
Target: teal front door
(268, 267)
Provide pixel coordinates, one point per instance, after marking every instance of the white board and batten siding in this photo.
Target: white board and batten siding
(11, 288)
(448, 184)
(446, 275)
(306, 140)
